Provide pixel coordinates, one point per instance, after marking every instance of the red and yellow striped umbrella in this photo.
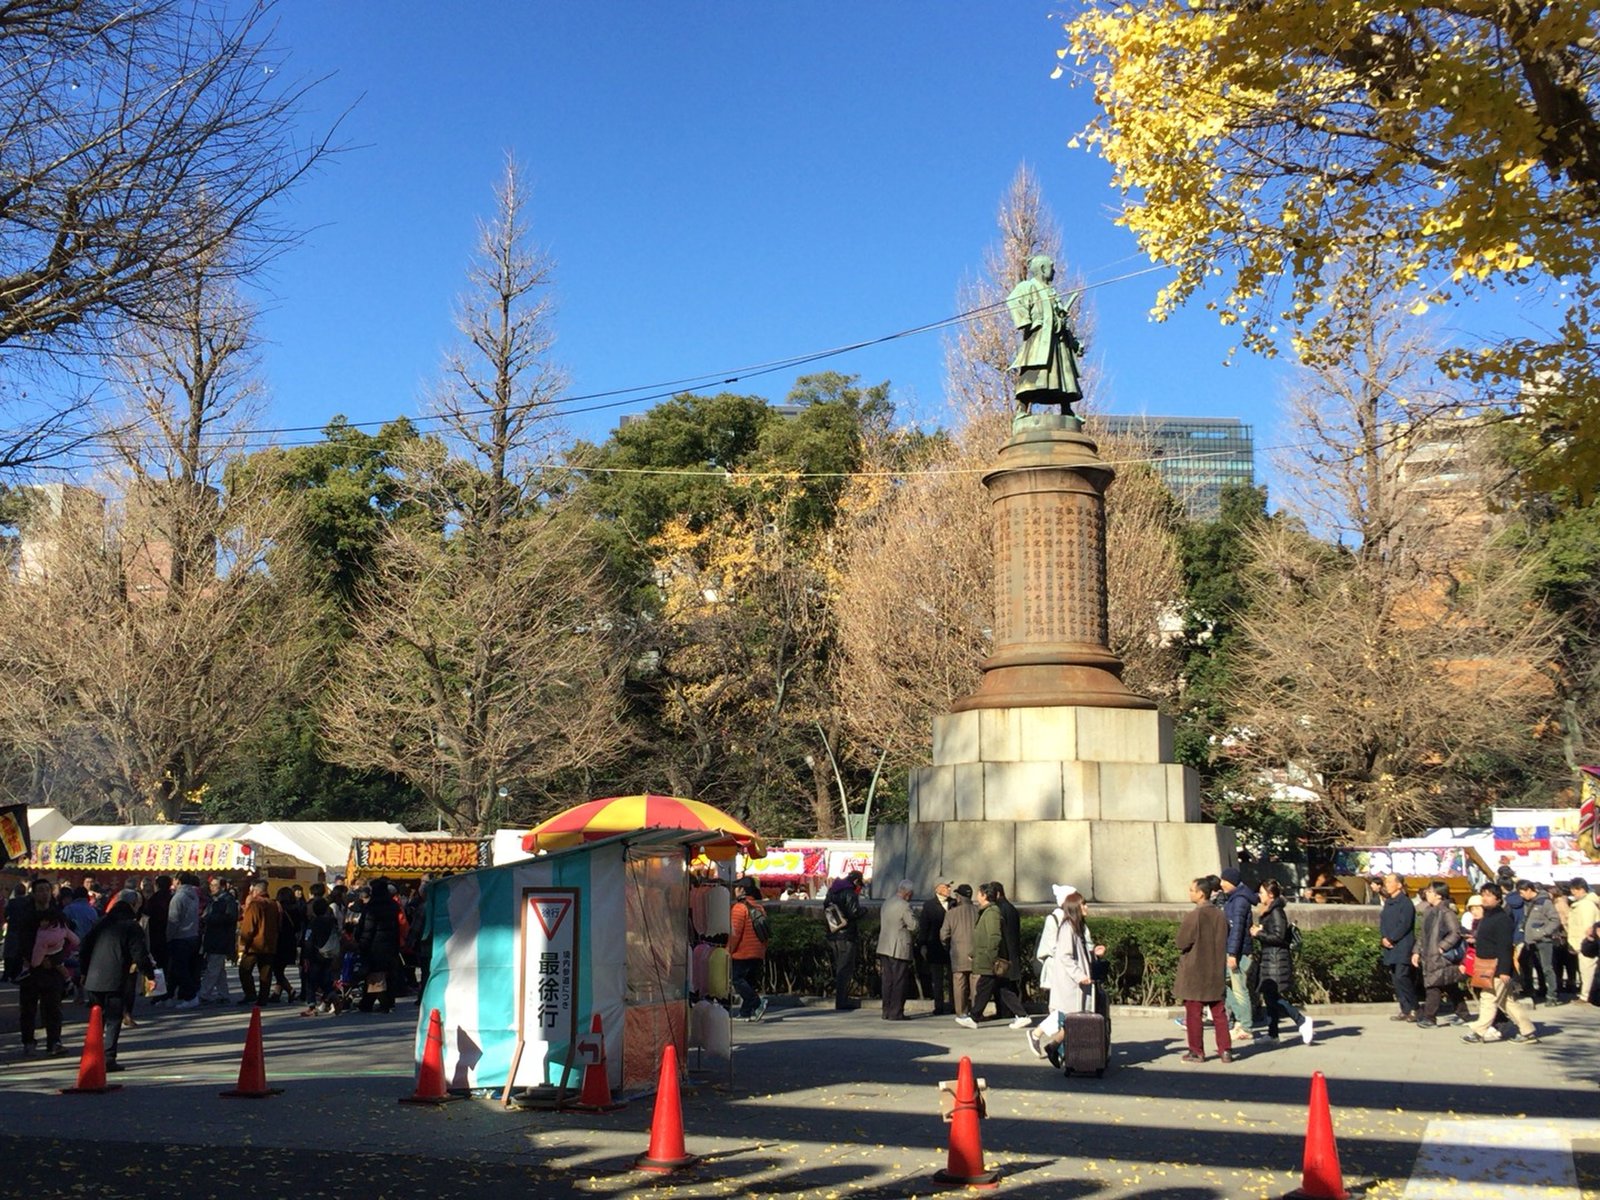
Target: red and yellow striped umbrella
(622, 814)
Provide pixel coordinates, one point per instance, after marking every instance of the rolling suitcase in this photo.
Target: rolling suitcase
(1086, 1049)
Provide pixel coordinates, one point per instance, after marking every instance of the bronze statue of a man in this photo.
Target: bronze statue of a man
(1046, 364)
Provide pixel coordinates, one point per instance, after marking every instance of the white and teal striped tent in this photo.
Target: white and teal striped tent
(526, 953)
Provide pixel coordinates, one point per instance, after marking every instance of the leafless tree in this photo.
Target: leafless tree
(153, 622)
(135, 140)
(1387, 699)
(1383, 666)
(486, 656)
(468, 673)
(132, 675)
(500, 385)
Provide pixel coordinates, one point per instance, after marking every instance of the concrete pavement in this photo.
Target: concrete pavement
(828, 1104)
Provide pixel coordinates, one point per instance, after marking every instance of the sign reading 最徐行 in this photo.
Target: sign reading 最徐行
(547, 1008)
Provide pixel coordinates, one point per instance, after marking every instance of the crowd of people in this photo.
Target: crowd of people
(1517, 944)
(963, 947)
(173, 942)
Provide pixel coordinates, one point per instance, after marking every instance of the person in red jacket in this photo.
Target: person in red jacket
(747, 948)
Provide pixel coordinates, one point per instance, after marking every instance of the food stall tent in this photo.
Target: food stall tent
(526, 953)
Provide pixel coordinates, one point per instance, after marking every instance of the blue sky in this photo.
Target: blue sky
(719, 184)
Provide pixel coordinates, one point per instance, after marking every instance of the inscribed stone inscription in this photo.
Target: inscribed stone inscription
(1050, 576)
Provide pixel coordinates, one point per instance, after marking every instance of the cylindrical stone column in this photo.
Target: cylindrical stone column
(1047, 496)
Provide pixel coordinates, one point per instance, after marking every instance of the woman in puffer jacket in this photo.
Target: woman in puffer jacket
(1275, 955)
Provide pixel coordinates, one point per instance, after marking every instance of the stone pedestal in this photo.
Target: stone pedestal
(1035, 796)
(1052, 770)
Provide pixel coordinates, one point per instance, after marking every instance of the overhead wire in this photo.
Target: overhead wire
(635, 394)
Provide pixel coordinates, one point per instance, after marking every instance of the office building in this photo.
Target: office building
(1196, 456)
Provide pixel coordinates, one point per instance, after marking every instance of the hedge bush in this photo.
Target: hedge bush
(1336, 964)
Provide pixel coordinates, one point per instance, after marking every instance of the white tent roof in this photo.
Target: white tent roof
(46, 824)
(321, 843)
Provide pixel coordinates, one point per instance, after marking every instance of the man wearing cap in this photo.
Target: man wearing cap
(956, 935)
(844, 899)
(1238, 906)
(1397, 925)
(1582, 914)
(935, 955)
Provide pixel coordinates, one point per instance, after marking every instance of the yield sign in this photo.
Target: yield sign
(550, 912)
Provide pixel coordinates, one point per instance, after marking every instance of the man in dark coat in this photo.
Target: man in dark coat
(115, 948)
(1397, 925)
(844, 896)
(378, 940)
(1439, 934)
(22, 923)
(1540, 928)
(1010, 994)
(1238, 907)
(155, 908)
(932, 951)
(19, 908)
(219, 931)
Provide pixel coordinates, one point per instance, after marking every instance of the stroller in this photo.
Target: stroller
(350, 984)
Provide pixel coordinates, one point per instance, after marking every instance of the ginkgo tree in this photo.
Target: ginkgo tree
(1259, 145)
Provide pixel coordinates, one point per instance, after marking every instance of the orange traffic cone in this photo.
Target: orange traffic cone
(252, 1083)
(1320, 1179)
(92, 1064)
(666, 1153)
(965, 1164)
(430, 1075)
(595, 1095)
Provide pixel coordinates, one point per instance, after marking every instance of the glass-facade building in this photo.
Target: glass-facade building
(1196, 456)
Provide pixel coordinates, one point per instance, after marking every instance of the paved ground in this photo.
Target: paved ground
(825, 1104)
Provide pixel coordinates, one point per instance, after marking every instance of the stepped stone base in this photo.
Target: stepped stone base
(1042, 795)
(1113, 862)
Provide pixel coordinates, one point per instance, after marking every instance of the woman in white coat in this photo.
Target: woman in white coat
(1068, 976)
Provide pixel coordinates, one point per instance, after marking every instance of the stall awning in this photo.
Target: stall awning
(416, 856)
(205, 854)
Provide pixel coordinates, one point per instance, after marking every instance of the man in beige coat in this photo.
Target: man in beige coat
(1202, 973)
(957, 935)
(1581, 917)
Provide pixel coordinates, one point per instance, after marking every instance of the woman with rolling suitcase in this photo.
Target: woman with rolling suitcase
(1076, 1036)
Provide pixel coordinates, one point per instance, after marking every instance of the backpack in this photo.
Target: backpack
(329, 950)
(759, 924)
(834, 916)
(1294, 937)
(1047, 941)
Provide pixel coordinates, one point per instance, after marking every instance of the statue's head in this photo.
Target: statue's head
(1042, 266)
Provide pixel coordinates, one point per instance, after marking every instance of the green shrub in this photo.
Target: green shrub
(1336, 964)
(1342, 964)
(800, 960)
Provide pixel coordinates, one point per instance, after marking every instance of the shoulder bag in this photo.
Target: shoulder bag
(1484, 971)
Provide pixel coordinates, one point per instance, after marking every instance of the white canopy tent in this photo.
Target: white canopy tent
(324, 845)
